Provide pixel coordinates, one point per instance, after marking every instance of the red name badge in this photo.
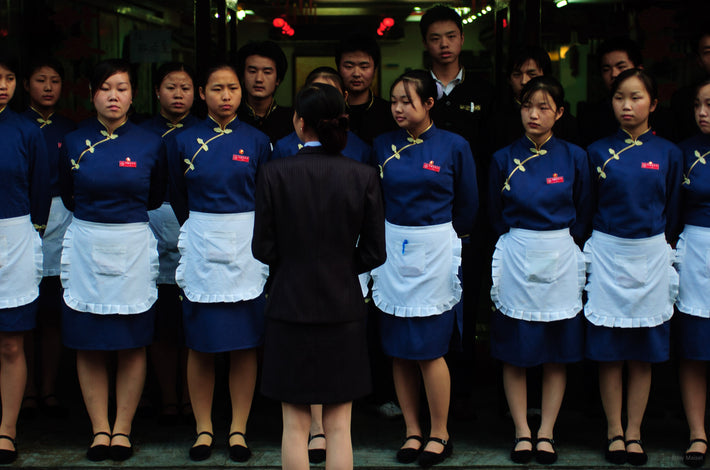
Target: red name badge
(59, 145)
(431, 167)
(240, 158)
(649, 165)
(555, 179)
(127, 163)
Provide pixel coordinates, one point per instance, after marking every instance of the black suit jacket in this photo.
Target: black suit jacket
(319, 223)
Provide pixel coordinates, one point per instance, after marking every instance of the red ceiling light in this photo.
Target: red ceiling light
(279, 23)
(282, 24)
(385, 26)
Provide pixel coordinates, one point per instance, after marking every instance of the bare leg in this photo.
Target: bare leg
(693, 387)
(294, 440)
(554, 379)
(200, 382)
(336, 419)
(30, 386)
(610, 387)
(13, 375)
(242, 381)
(316, 428)
(93, 379)
(516, 392)
(639, 387)
(130, 377)
(437, 384)
(406, 384)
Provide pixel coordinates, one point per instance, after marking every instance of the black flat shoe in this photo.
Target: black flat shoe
(202, 451)
(695, 459)
(521, 456)
(316, 455)
(617, 457)
(636, 458)
(120, 453)
(238, 452)
(544, 457)
(410, 454)
(427, 459)
(7, 455)
(98, 452)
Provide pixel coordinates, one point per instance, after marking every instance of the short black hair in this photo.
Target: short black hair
(170, 67)
(422, 81)
(536, 53)
(212, 68)
(646, 78)
(624, 44)
(358, 42)
(705, 31)
(105, 69)
(265, 49)
(37, 63)
(326, 72)
(439, 13)
(547, 84)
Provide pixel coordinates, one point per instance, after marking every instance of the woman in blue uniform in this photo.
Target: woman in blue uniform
(44, 86)
(213, 168)
(355, 147)
(631, 285)
(24, 179)
(174, 87)
(692, 323)
(111, 173)
(540, 204)
(429, 186)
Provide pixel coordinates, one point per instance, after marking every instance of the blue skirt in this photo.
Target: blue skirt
(168, 315)
(22, 318)
(692, 336)
(531, 343)
(223, 326)
(605, 344)
(112, 332)
(417, 338)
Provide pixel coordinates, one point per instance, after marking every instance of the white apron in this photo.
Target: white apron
(693, 264)
(109, 268)
(166, 229)
(420, 276)
(538, 275)
(631, 283)
(59, 220)
(216, 263)
(20, 262)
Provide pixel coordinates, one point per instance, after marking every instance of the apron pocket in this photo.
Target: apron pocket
(220, 247)
(541, 265)
(412, 263)
(630, 270)
(109, 260)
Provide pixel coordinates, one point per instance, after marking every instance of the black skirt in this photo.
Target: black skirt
(315, 363)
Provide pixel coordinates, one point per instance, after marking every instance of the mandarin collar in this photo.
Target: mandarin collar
(645, 137)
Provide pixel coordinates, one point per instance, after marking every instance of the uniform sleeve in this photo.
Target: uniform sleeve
(158, 180)
(66, 178)
(673, 195)
(465, 206)
(40, 198)
(177, 186)
(495, 199)
(371, 251)
(263, 244)
(583, 198)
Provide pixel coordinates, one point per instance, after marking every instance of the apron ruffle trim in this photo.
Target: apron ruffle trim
(681, 253)
(29, 297)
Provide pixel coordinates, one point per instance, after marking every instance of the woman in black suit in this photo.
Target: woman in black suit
(319, 223)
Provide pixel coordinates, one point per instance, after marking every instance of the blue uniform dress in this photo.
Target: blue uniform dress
(637, 187)
(213, 171)
(426, 181)
(24, 183)
(110, 179)
(541, 190)
(691, 324)
(168, 310)
(54, 128)
(355, 148)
